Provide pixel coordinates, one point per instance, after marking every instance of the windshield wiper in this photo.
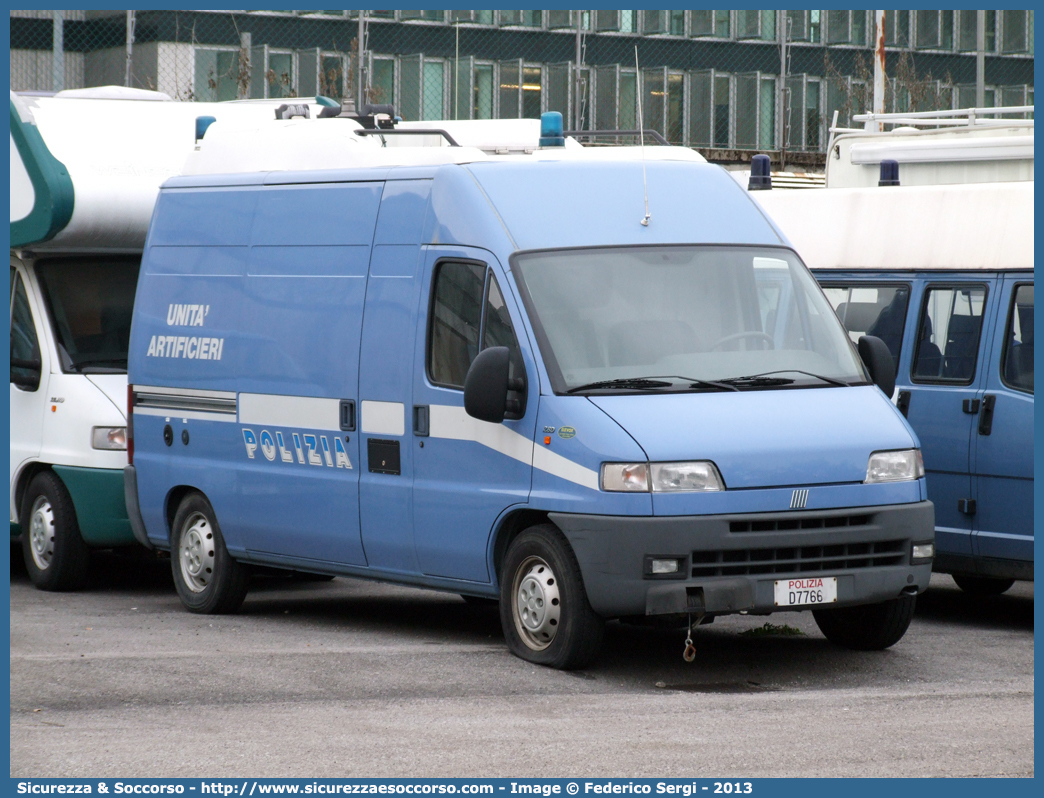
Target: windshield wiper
(623, 382)
(764, 379)
(721, 385)
(655, 382)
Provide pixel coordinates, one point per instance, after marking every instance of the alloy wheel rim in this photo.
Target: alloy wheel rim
(41, 533)
(536, 603)
(196, 553)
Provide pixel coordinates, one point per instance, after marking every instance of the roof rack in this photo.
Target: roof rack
(416, 131)
(655, 135)
(960, 117)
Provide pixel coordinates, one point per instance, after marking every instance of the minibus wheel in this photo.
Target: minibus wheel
(544, 610)
(208, 580)
(982, 586)
(868, 627)
(55, 555)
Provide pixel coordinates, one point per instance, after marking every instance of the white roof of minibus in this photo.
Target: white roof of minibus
(983, 226)
(300, 145)
(119, 145)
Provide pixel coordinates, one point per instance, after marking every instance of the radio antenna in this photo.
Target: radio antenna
(641, 134)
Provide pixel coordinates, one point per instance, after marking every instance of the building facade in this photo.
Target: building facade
(715, 80)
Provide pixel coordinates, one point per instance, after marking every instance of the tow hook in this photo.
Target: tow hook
(690, 649)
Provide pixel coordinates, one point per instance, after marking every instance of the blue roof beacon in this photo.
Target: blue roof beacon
(453, 355)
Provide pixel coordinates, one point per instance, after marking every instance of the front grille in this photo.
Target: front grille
(798, 559)
(782, 523)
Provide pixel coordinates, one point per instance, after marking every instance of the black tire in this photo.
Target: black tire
(982, 586)
(557, 626)
(869, 627)
(53, 549)
(208, 580)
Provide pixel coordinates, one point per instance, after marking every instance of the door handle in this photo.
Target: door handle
(986, 417)
(903, 402)
(347, 415)
(420, 420)
(970, 406)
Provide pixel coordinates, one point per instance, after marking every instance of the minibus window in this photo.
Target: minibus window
(878, 310)
(948, 334)
(498, 330)
(697, 313)
(456, 317)
(90, 302)
(1017, 362)
(25, 346)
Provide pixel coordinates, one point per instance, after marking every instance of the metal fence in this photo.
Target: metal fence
(722, 80)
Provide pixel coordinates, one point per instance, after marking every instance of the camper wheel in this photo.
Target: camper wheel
(208, 580)
(544, 610)
(55, 554)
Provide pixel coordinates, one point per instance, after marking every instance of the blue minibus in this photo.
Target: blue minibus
(590, 384)
(943, 274)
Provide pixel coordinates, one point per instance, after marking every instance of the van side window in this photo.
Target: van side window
(25, 347)
(1017, 360)
(455, 322)
(878, 310)
(498, 330)
(948, 334)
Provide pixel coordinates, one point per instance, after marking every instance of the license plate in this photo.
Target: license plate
(816, 590)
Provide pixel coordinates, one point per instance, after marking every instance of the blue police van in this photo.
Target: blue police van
(585, 384)
(943, 274)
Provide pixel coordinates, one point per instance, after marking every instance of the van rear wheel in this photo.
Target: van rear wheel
(869, 627)
(55, 555)
(544, 610)
(208, 580)
(982, 586)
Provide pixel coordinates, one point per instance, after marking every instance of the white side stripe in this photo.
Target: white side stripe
(563, 467)
(307, 412)
(448, 421)
(383, 418)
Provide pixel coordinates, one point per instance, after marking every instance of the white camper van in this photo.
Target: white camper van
(86, 167)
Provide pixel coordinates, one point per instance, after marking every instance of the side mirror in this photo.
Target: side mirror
(488, 387)
(879, 363)
(30, 380)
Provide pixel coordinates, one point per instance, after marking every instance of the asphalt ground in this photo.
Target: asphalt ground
(351, 678)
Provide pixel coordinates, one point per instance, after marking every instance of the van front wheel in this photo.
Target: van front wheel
(869, 627)
(55, 555)
(208, 580)
(544, 610)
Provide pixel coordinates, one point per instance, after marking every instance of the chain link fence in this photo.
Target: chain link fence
(726, 82)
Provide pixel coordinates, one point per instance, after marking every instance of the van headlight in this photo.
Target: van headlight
(696, 475)
(111, 438)
(897, 466)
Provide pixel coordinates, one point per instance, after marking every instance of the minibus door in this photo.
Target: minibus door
(1002, 452)
(467, 472)
(386, 378)
(946, 380)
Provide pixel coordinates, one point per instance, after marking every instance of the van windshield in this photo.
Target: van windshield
(636, 319)
(90, 301)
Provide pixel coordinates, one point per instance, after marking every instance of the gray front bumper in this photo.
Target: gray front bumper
(732, 561)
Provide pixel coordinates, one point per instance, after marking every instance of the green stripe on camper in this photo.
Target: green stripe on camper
(52, 189)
